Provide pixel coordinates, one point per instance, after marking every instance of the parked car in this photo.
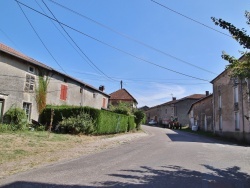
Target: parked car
(152, 122)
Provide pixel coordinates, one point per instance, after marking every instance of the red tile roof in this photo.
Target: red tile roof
(122, 94)
(15, 53)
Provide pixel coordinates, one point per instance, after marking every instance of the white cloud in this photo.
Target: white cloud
(155, 93)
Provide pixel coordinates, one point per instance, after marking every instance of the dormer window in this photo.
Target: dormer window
(31, 69)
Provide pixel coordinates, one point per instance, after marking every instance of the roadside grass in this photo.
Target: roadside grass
(23, 150)
(22, 144)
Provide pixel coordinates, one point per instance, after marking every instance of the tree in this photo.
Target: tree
(239, 67)
(122, 108)
(41, 92)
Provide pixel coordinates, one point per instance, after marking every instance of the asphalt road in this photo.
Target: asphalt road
(165, 158)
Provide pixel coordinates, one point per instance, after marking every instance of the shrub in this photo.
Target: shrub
(81, 123)
(5, 127)
(16, 118)
(139, 118)
(121, 108)
(131, 123)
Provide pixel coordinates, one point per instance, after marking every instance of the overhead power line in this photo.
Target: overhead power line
(200, 23)
(40, 38)
(65, 37)
(130, 38)
(76, 43)
(104, 43)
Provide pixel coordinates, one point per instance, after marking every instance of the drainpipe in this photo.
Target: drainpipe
(243, 124)
(81, 95)
(213, 110)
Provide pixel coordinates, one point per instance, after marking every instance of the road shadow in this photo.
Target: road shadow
(181, 136)
(164, 176)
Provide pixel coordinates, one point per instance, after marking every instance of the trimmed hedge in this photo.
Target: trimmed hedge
(105, 122)
(131, 123)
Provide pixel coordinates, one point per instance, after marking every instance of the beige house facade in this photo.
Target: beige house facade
(19, 78)
(231, 107)
(201, 113)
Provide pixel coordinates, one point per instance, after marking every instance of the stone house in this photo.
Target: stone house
(162, 113)
(176, 108)
(201, 113)
(19, 79)
(231, 106)
(182, 106)
(122, 95)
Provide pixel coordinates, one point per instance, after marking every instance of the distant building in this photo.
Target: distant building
(144, 108)
(176, 108)
(201, 113)
(122, 95)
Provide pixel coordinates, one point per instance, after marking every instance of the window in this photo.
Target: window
(220, 122)
(219, 101)
(63, 95)
(236, 96)
(27, 109)
(29, 83)
(166, 111)
(94, 95)
(31, 69)
(237, 120)
(104, 103)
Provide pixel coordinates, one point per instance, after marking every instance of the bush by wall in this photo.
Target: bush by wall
(81, 123)
(16, 119)
(139, 118)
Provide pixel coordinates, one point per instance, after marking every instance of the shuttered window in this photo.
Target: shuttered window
(64, 90)
(104, 103)
(29, 83)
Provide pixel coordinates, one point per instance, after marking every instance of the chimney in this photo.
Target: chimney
(174, 98)
(101, 88)
(121, 84)
(207, 93)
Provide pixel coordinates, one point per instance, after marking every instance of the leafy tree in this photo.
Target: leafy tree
(239, 67)
(139, 118)
(41, 92)
(122, 108)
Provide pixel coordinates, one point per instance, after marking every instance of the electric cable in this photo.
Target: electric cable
(41, 39)
(76, 43)
(130, 38)
(149, 62)
(190, 18)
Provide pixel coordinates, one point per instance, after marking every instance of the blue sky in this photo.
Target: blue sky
(130, 40)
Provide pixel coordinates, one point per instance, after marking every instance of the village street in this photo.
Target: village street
(164, 158)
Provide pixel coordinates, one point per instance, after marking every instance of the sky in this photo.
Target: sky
(159, 49)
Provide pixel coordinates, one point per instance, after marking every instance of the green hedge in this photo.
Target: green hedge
(105, 122)
(131, 123)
